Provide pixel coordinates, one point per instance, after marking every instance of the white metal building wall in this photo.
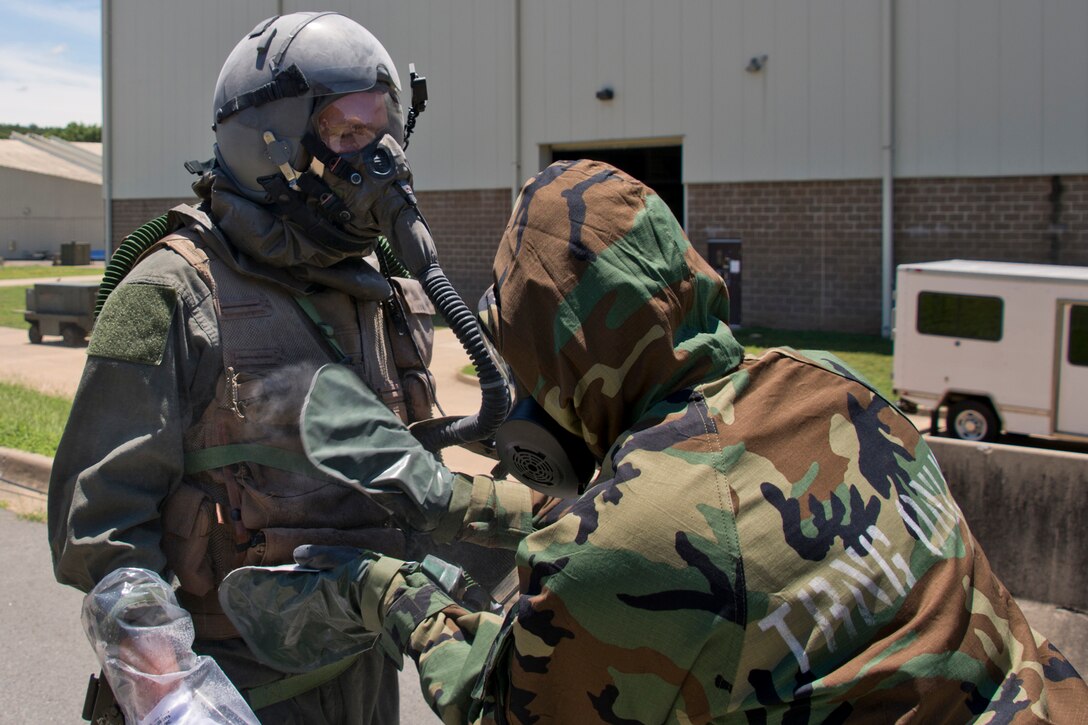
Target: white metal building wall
(39, 212)
(992, 87)
(983, 87)
(678, 71)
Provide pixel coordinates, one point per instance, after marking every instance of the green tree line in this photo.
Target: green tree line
(72, 132)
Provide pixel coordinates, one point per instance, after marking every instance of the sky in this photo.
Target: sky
(50, 62)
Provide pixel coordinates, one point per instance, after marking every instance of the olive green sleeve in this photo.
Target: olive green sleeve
(135, 324)
(152, 365)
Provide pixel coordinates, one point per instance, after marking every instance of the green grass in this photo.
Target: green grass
(35, 516)
(12, 304)
(869, 355)
(32, 271)
(31, 421)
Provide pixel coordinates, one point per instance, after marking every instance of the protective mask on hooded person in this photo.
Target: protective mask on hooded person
(531, 445)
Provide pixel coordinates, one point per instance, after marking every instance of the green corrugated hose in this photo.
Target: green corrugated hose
(391, 265)
(126, 255)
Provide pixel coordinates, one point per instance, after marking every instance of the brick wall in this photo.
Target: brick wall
(811, 250)
(130, 214)
(1008, 219)
(466, 226)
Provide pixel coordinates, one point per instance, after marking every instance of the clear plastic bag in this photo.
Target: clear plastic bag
(144, 640)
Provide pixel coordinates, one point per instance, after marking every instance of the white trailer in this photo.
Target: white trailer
(999, 346)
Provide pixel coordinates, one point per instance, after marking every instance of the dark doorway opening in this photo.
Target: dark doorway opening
(724, 256)
(659, 167)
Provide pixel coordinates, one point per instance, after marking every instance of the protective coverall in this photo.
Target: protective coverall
(155, 390)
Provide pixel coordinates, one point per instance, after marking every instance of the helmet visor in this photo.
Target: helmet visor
(351, 122)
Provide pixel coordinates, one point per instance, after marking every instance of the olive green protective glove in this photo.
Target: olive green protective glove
(349, 434)
(298, 618)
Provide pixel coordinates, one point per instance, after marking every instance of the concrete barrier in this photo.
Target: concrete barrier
(1028, 509)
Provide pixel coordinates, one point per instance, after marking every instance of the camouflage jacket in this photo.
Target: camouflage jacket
(768, 540)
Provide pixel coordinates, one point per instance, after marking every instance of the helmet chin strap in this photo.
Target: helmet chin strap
(290, 191)
(291, 204)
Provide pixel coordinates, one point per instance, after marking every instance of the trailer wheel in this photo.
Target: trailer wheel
(35, 333)
(972, 420)
(73, 335)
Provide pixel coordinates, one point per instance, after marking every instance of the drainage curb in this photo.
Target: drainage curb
(25, 470)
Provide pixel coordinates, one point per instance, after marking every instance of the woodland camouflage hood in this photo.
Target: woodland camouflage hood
(604, 307)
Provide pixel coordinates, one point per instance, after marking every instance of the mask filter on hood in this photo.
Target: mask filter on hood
(542, 454)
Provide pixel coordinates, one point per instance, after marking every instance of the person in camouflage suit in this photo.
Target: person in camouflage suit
(768, 540)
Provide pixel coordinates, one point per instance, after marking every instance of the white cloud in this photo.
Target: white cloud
(49, 62)
(81, 16)
(38, 86)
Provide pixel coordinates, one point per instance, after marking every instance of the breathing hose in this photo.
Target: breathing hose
(411, 240)
(387, 259)
(494, 389)
(124, 258)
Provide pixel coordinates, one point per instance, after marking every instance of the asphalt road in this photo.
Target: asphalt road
(46, 656)
(47, 660)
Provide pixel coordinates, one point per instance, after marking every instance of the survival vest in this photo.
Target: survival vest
(249, 496)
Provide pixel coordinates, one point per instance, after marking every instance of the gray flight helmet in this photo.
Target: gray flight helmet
(276, 77)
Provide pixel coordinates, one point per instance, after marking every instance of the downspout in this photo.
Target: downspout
(516, 35)
(107, 129)
(887, 141)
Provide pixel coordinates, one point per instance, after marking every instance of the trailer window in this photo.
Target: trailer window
(968, 316)
(1078, 335)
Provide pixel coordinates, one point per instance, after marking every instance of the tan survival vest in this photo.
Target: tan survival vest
(249, 496)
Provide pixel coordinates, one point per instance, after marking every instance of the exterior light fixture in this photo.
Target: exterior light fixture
(606, 94)
(756, 64)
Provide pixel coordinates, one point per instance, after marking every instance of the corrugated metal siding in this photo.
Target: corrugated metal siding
(167, 58)
(984, 87)
(678, 70)
(992, 87)
(165, 61)
(39, 212)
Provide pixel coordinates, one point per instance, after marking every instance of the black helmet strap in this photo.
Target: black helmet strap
(289, 83)
(291, 204)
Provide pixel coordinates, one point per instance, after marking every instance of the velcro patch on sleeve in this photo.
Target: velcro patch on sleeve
(134, 324)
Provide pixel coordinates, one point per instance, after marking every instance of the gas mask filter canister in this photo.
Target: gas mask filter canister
(543, 455)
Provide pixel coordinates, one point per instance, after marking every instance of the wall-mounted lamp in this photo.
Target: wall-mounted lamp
(756, 64)
(606, 94)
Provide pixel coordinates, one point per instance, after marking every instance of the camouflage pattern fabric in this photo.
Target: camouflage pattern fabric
(769, 540)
